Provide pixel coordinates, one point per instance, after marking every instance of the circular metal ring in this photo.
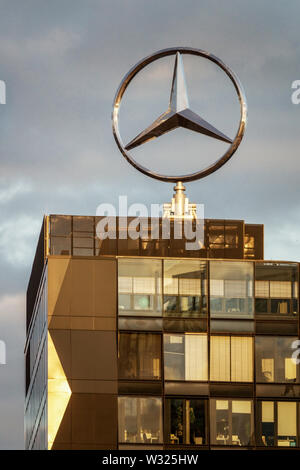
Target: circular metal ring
(218, 163)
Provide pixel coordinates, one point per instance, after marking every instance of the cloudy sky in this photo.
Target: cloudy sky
(62, 61)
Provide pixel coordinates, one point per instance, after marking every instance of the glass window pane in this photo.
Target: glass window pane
(235, 288)
(261, 305)
(274, 359)
(268, 423)
(124, 302)
(61, 225)
(231, 358)
(85, 242)
(241, 422)
(267, 411)
(174, 421)
(83, 224)
(281, 289)
(184, 288)
(185, 357)
(140, 420)
(253, 241)
(139, 356)
(196, 363)
(195, 416)
(217, 287)
(231, 289)
(241, 359)
(220, 358)
(60, 246)
(278, 423)
(276, 289)
(143, 303)
(174, 357)
(262, 289)
(220, 422)
(287, 423)
(139, 287)
(105, 235)
(280, 306)
(231, 422)
(185, 421)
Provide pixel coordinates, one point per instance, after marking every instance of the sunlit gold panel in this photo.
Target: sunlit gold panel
(59, 392)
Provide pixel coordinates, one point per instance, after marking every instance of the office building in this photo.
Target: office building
(142, 344)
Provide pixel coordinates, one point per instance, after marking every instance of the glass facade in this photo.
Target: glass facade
(140, 420)
(36, 375)
(88, 236)
(204, 340)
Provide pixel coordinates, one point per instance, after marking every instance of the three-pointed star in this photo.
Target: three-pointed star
(178, 114)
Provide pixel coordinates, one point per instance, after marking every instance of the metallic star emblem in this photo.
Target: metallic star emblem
(178, 114)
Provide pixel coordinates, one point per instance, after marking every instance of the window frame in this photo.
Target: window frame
(167, 427)
(259, 422)
(213, 421)
(138, 357)
(230, 336)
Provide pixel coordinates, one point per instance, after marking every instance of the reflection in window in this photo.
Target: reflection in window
(139, 287)
(274, 361)
(231, 289)
(185, 356)
(276, 289)
(216, 236)
(139, 356)
(83, 225)
(185, 421)
(71, 235)
(140, 420)
(253, 241)
(223, 235)
(83, 236)
(278, 423)
(231, 358)
(184, 288)
(231, 422)
(60, 246)
(60, 225)
(249, 246)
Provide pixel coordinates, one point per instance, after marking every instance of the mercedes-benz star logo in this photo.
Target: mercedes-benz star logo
(179, 114)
